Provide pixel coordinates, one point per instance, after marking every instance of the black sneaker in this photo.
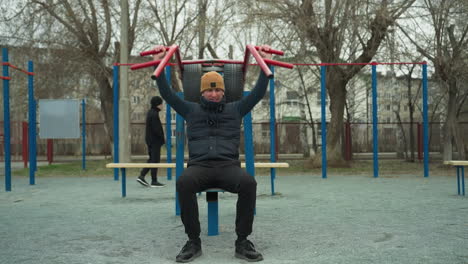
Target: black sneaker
(246, 250)
(190, 251)
(142, 181)
(157, 184)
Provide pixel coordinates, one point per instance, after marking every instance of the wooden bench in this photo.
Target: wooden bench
(211, 194)
(460, 165)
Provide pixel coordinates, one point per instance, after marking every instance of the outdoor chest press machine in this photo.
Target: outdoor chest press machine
(234, 75)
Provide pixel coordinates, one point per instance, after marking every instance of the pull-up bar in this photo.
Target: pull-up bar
(6, 113)
(358, 63)
(17, 68)
(323, 97)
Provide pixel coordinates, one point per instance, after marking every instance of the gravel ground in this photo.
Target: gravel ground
(342, 219)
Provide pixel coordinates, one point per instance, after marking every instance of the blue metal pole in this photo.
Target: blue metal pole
(180, 137)
(83, 133)
(463, 180)
(168, 128)
(116, 119)
(375, 132)
(124, 183)
(31, 124)
(248, 143)
(323, 104)
(425, 122)
(6, 121)
(34, 137)
(272, 130)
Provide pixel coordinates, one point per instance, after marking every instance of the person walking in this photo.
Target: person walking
(154, 138)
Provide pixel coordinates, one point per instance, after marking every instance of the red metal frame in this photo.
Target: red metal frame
(250, 49)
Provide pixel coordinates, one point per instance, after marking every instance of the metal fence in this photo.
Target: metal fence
(292, 138)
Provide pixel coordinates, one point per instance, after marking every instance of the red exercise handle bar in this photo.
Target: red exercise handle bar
(272, 51)
(173, 49)
(151, 52)
(160, 63)
(261, 62)
(279, 63)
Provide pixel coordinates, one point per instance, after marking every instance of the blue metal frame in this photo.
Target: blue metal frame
(180, 137)
(272, 130)
(323, 104)
(124, 182)
(461, 179)
(34, 122)
(116, 119)
(31, 125)
(83, 134)
(375, 132)
(6, 121)
(248, 142)
(425, 121)
(168, 127)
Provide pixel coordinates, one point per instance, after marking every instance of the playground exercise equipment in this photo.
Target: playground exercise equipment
(192, 70)
(424, 141)
(32, 132)
(460, 166)
(234, 75)
(31, 118)
(262, 63)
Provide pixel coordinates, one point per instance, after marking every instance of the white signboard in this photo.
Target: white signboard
(59, 118)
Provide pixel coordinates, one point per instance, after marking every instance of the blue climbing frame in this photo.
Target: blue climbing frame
(374, 115)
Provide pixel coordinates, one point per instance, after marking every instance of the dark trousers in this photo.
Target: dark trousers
(233, 179)
(154, 152)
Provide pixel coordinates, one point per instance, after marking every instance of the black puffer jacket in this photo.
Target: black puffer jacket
(213, 129)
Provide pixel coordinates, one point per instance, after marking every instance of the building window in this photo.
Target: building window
(265, 130)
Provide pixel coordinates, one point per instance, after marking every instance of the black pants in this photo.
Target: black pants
(231, 178)
(154, 152)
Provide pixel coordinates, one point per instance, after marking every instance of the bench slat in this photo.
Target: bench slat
(456, 162)
(173, 165)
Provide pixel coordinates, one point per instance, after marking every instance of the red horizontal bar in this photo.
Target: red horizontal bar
(279, 63)
(361, 63)
(151, 52)
(17, 68)
(5, 78)
(272, 51)
(144, 65)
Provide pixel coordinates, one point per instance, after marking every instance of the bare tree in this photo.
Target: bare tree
(86, 29)
(446, 48)
(329, 26)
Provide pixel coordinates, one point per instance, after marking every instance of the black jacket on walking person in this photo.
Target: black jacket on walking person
(154, 137)
(154, 131)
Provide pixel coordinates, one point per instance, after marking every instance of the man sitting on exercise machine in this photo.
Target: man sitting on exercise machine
(213, 132)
